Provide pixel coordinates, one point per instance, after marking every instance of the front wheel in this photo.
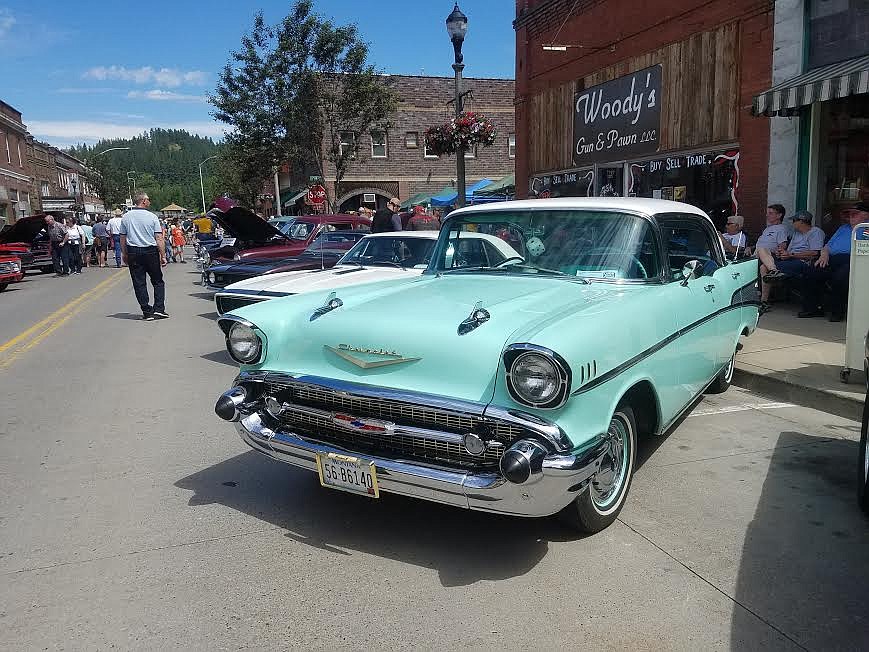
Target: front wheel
(600, 503)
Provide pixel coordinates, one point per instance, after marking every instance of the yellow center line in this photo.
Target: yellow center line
(55, 320)
(57, 313)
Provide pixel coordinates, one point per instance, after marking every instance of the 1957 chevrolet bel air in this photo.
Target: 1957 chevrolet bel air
(517, 386)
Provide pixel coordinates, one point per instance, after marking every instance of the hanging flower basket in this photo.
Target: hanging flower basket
(464, 131)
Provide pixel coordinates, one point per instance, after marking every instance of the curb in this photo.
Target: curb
(781, 389)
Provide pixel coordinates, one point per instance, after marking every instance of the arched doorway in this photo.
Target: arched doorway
(351, 201)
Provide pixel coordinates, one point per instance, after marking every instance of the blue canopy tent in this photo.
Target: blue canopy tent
(449, 198)
(501, 190)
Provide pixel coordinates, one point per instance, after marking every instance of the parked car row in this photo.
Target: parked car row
(24, 247)
(497, 365)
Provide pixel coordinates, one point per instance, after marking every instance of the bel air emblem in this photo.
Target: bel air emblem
(368, 358)
(358, 424)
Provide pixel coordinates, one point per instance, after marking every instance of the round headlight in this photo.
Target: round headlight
(243, 343)
(237, 257)
(535, 379)
(206, 258)
(210, 277)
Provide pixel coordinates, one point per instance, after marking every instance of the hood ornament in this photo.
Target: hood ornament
(332, 302)
(479, 316)
(368, 358)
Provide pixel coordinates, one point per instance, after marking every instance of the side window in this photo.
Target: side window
(342, 226)
(687, 238)
(468, 252)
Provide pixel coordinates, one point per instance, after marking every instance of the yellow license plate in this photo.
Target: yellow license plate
(353, 474)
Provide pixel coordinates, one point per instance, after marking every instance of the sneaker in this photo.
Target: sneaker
(161, 314)
(148, 317)
(774, 275)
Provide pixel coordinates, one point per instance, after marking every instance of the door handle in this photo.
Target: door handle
(736, 275)
(709, 288)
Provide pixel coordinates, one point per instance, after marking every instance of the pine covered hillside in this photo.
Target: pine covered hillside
(166, 162)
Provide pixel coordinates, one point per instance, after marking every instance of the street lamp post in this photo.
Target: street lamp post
(457, 27)
(110, 149)
(131, 188)
(202, 185)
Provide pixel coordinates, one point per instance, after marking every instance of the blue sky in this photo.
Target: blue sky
(80, 71)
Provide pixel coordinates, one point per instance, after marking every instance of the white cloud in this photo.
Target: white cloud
(83, 91)
(7, 21)
(62, 132)
(165, 96)
(171, 77)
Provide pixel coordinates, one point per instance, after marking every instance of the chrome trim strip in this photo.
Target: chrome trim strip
(249, 293)
(422, 433)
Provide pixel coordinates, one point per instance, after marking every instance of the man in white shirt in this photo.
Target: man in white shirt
(143, 249)
(733, 238)
(114, 229)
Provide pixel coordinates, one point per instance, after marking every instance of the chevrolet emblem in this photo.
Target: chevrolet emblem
(368, 358)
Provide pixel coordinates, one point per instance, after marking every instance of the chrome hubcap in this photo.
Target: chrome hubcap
(728, 374)
(609, 479)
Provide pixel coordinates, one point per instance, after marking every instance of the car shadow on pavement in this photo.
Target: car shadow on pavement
(208, 296)
(804, 567)
(463, 546)
(220, 356)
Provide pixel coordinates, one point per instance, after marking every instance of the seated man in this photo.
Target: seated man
(805, 246)
(833, 265)
(733, 239)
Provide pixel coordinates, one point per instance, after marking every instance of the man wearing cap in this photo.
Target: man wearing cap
(421, 221)
(796, 260)
(833, 266)
(387, 219)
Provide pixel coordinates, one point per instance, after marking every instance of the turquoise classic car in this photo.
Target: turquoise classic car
(515, 385)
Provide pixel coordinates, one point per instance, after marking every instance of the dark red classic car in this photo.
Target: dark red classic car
(10, 271)
(27, 240)
(256, 238)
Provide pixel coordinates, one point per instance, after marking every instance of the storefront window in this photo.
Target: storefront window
(706, 180)
(611, 181)
(843, 157)
(567, 184)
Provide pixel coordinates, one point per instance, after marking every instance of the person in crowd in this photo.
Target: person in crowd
(773, 239)
(143, 249)
(57, 237)
(421, 221)
(74, 245)
(795, 261)
(833, 266)
(387, 219)
(114, 228)
(101, 240)
(733, 238)
(88, 243)
(176, 234)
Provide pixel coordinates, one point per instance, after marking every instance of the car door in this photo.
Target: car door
(697, 302)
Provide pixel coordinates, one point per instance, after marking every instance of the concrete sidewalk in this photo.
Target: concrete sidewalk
(799, 361)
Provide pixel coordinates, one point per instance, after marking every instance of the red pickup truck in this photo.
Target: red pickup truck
(26, 239)
(10, 271)
(256, 238)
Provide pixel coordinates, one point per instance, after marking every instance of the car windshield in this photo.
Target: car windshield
(333, 241)
(390, 251)
(585, 244)
(283, 226)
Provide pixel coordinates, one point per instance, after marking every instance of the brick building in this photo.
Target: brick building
(15, 197)
(657, 105)
(396, 164)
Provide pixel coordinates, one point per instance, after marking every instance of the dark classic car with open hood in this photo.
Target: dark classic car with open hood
(255, 238)
(26, 239)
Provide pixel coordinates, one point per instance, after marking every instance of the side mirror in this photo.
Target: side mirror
(692, 269)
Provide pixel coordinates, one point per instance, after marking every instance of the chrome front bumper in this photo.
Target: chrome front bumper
(559, 480)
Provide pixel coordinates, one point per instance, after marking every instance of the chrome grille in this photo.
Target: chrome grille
(499, 434)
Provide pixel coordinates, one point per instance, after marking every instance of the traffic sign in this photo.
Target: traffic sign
(316, 196)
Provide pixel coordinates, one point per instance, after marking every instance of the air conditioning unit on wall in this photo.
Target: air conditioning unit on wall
(369, 198)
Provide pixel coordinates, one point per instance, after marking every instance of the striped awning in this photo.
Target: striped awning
(828, 83)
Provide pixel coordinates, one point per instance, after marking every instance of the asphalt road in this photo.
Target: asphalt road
(131, 517)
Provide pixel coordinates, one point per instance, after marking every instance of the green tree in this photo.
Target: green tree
(294, 89)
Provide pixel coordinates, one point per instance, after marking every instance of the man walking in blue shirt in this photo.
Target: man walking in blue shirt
(143, 249)
(833, 265)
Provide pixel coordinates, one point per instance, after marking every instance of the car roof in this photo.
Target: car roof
(319, 219)
(425, 235)
(634, 204)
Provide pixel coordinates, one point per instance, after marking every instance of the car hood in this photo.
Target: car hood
(306, 281)
(23, 230)
(246, 225)
(418, 320)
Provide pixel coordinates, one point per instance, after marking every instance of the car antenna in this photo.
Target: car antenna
(322, 262)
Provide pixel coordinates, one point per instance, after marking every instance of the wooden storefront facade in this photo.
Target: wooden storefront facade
(700, 64)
